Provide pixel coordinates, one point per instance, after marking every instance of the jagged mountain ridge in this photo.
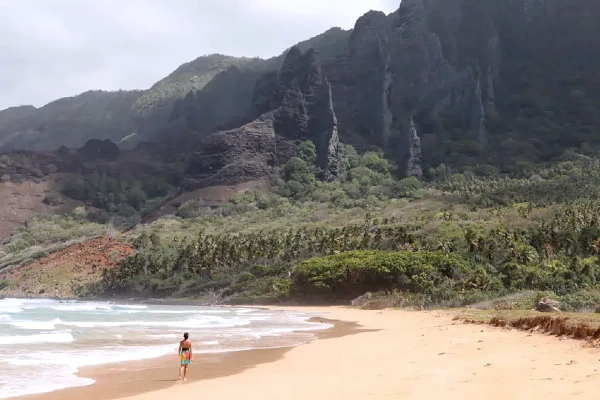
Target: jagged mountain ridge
(476, 81)
(144, 115)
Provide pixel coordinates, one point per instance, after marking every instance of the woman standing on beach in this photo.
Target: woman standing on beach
(186, 355)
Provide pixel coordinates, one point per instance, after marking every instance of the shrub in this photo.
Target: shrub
(53, 199)
(375, 162)
(308, 152)
(350, 273)
(190, 209)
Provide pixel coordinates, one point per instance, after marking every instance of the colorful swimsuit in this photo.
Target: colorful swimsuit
(185, 356)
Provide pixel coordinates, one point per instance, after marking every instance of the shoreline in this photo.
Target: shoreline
(178, 302)
(404, 354)
(113, 381)
(367, 354)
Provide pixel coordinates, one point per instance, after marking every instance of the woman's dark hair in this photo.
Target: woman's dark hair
(186, 336)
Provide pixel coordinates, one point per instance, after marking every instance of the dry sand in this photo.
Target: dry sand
(409, 355)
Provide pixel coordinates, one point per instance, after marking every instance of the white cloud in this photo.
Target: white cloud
(53, 49)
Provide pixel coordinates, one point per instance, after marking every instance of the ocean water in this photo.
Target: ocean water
(51, 340)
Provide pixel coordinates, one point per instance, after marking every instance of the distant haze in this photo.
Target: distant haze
(60, 48)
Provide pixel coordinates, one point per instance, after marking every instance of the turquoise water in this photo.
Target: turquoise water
(50, 340)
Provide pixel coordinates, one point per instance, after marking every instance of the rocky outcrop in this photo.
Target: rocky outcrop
(230, 157)
(328, 147)
(262, 96)
(361, 80)
(414, 166)
(291, 118)
(547, 305)
(95, 150)
(301, 105)
(478, 115)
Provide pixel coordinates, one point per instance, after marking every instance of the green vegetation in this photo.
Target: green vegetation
(71, 121)
(351, 273)
(188, 77)
(453, 241)
(122, 199)
(43, 235)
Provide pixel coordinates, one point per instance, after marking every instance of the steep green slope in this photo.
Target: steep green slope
(71, 121)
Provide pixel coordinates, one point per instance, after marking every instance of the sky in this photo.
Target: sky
(60, 48)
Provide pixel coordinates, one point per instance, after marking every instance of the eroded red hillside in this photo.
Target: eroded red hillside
(62, 273)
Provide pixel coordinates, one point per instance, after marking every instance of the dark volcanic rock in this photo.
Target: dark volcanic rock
(96, 149)
(361, 78)
(414, 165)
(307, 111)
(299, 107)
(245, 153)
(224, 103)
(458, 68)
(262, 97)
(291, 118)
(325, 125)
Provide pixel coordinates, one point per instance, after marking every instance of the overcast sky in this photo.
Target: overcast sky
(52, 49)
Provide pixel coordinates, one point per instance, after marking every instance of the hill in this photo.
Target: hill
(66, 272)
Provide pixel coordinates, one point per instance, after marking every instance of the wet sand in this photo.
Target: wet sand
(129, 378)
(395, 354)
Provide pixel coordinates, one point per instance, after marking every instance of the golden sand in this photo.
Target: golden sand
(394, 354)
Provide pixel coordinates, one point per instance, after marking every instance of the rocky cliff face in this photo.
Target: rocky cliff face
(222, 104)
(465, 74)
(414, 165)
(295, 105)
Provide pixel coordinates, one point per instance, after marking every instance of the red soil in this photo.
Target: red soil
(62, 272)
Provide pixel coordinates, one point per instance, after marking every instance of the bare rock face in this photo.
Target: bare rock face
(330, 141)
(292, 116)
(547, 305)
(361, 80)
(262, 97)
(237, 155)
(414, 166)
(296, 105)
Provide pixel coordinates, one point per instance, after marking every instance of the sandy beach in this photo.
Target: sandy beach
(394, 354)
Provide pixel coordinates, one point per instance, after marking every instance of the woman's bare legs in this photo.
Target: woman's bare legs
(181, 372)
(185, 367)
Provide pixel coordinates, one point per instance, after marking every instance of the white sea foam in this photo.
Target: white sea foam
(165, 312)
(58, 337)
(64, 336)
(205, 322)
(99, 356)
(83, 307)
(244, 310)
(132, 307)
(37, 325)
(165, 336)
(13, 383)
(10, 310)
